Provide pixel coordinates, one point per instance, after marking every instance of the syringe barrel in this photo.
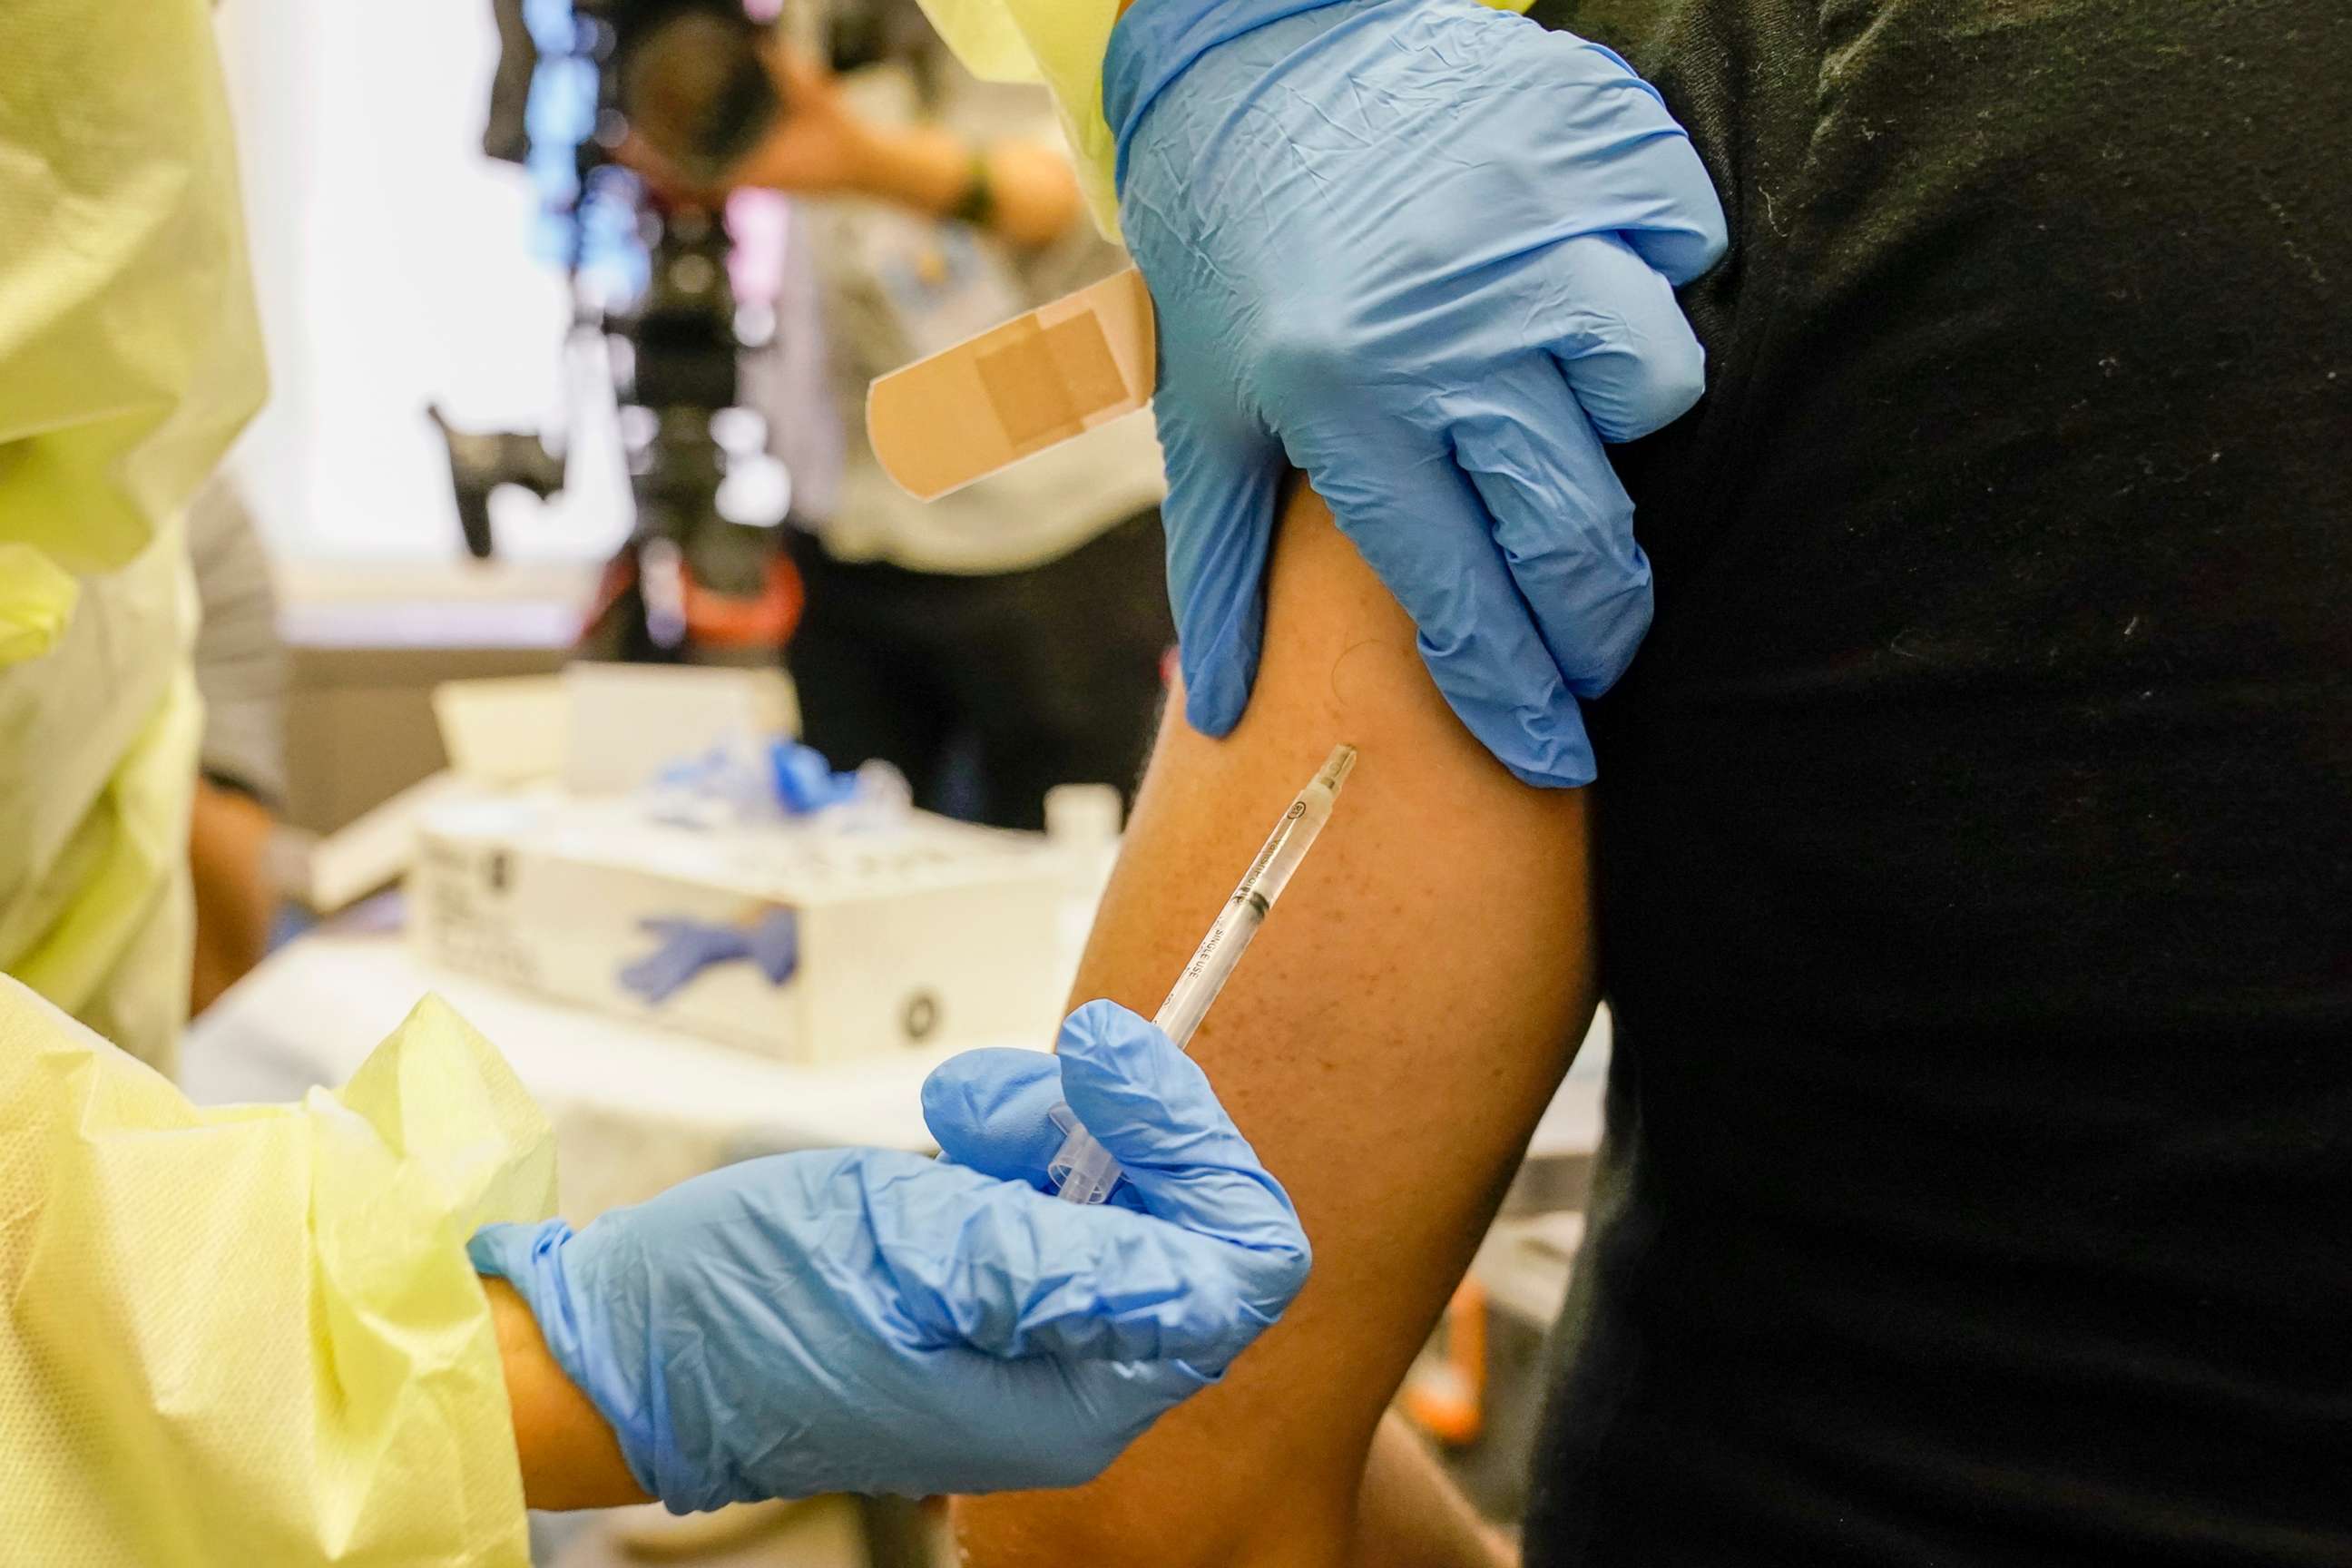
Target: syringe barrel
(1093, 1172)
(1286, 851)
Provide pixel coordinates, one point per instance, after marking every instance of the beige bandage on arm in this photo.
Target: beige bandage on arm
(1015, 390)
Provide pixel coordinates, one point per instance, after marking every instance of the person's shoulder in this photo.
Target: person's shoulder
(1629, 26)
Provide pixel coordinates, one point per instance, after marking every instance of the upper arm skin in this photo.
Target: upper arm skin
(1387, 1046)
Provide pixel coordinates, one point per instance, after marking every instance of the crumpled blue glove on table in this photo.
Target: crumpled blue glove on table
(863, 1320)
(1425, 251)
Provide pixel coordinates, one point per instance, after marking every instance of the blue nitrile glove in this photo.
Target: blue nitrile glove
(863, 1320)
(689, 947)
(1425, 251)
(994, 1110)
(805, 781)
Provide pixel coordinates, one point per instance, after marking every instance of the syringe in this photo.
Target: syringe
(1084, 1168)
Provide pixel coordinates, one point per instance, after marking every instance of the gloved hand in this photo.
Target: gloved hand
(994, 1111)
(689, 947)
(1425, 251)
(861, 1320)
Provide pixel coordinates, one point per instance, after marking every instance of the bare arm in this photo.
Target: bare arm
(1033, 194)
(823, 144)
(228, 837)
(1396, 1031)
(1410, 1515)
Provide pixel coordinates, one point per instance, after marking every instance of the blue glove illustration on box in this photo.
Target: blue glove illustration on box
(687, 947)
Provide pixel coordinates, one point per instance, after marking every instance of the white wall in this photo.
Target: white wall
(394, 267)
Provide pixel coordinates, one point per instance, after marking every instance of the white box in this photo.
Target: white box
(927, 933)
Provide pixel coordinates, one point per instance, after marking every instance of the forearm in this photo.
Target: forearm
(569, 1455)
(1387, 1047)
(1410, 1515)
(1033, 196)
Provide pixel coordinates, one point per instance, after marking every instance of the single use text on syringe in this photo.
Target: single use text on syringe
(1084, 1168)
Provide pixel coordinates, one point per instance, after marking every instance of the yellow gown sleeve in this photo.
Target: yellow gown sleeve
(129, 352)
(130, 355)
(250, 1334)
(231, 1336)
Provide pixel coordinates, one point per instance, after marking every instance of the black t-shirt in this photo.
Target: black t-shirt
(1976, 824)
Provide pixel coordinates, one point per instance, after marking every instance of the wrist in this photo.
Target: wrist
(927, 169)
(568, 1453)
(977, 203)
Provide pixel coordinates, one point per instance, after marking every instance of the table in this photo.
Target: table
(635, 1107)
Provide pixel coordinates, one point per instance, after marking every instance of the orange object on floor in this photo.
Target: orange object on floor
(1447, 1397)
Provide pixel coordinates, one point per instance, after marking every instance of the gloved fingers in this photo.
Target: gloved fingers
(1089, 1413)
(990, 1111)
(960, 1261)
(1026, 1424)
(1622, 340)
(1609, 138)
(1152, 1107)
(1562, 521)
(1421, 526)
(1219, 516)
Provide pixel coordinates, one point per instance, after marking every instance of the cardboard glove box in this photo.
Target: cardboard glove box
(926, 932)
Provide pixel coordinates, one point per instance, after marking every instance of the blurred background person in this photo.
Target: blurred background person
(1008, 638)
(241, 669)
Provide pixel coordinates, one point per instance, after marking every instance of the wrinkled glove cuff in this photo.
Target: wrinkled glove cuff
(1158, 40)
